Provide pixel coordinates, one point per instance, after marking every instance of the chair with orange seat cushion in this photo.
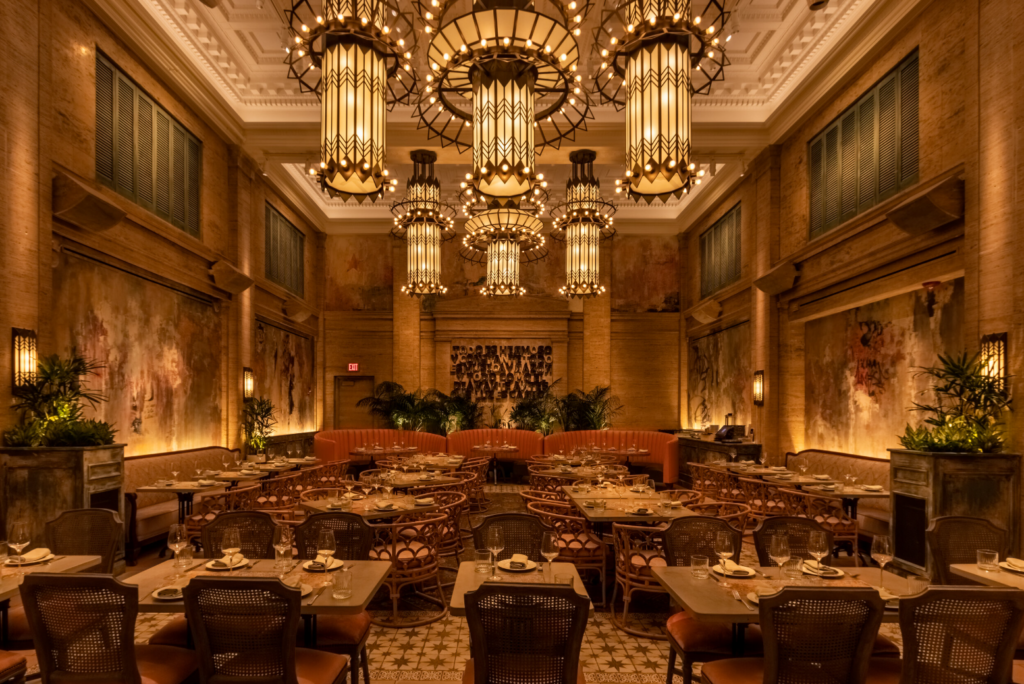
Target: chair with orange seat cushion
(478, 467)
(815, 635)
(545, 650)
(244, 631)
(84, 629)
(550, 483)
(412, 543)
(637, 550)
(577, 542)
(522, 534)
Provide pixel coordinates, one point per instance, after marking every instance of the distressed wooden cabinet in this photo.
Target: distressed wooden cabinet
(926, 486)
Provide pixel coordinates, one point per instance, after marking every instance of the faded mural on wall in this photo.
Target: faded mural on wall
(359, 272)
(645, 273)
(161, 348)
(861, 377)
(720, 377)
(285, 367)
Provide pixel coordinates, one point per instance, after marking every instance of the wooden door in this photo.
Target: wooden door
(347, 391)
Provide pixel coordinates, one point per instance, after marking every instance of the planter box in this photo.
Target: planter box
(927, 485)
(40, 483)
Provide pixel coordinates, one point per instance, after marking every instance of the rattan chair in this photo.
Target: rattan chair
(215, 503)
(477, 467)
(798, 530)
(525, 634)
(522, 533)
(726, 486)
(530, 495)
(331, 474)
(736, 514)
(695, 535)
(577, 542)
(700, 479)
(762, 497)
(450, 544)
(550, 483)
(256, 529)
(84, 629)
(280, 496)
(412, 544)
(826, 512)
(687, 497)
(244, 631)
(953, 635)
(811, 635)
(954, 539)
(86, 532)
(637, 550)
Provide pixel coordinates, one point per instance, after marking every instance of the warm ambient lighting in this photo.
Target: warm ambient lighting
(354, 60)
(248, 384)
(25, 357)
(993, 356)
(424, 222)
(759, 388)
(656, 59)
(503, 238)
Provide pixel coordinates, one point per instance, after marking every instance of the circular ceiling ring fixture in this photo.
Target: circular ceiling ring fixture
(503, 238)
(355, 55)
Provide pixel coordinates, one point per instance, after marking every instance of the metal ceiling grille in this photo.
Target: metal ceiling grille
(720, 253)
(285, 252)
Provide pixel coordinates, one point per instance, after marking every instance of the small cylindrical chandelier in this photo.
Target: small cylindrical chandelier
(25, 357)
(503, 238)
(503, 269)
(424, 222)
(353, 55)
(582, 222)
(657, 54)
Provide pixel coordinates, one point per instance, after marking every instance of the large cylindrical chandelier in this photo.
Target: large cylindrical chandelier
(503, 238)
(424, 222)
(355, 55)
(583, 222)
(657, 54)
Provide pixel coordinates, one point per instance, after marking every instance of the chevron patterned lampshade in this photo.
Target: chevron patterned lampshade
(503, 150)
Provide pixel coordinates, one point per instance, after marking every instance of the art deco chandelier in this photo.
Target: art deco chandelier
(355, 55)
(582, 222)
(424, 222)
(655, 55)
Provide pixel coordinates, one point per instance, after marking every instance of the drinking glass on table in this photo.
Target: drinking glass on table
(3, 555)
(177, 539)
(326, 545)
(283, 546)
(724, 550)
(988, 560)
(881, 553)
(495, 544)
(817, 546)
(230, 544)
(778, 550)
(20, 537)
(549, 549)
(802, 465)
(699, 566)
(174, 475)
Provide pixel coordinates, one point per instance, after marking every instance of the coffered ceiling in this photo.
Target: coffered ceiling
(229, 59)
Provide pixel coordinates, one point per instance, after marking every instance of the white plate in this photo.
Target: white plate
(389, 509)
(504, 565)
(304, 588)
(649, 512)
(424, 503)
(740, 573)
(780, 469)
(160, 594)
(807, 570)
(821, 477)
(211, 566)
(872, 488)
(12, 561)
(336, 564)
(1006, 566)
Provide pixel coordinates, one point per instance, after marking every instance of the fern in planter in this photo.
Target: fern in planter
(966, 416)
(51, 407)
(259, 421)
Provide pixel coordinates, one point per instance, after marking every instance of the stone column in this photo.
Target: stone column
(406, 317)
(597, 329)
(765, 312)
(241, 181)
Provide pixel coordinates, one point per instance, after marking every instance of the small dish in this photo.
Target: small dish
(1010, 568)
(168, 594)
(313, 566)
(739, 572)
(811, 568)
(506, 566)
(35, 561)
(221, 566)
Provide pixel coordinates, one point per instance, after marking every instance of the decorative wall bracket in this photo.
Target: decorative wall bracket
(83, 206)
(226, 276)
(932, 208)
(779, 279)
(708, 312)
(296, 310)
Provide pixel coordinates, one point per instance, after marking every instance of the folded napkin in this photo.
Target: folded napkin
(732, 568)
(323, 560)
(642, 511)
(815, 566)
(872, 488)
(518, 561)
(386, 506)
(207, 483)
(425, 500)
(377, 448)
(229, 561)
(35, 555)
(1015, 563)
(820, 477)
(309, 458)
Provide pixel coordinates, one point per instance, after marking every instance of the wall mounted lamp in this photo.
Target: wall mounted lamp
(759, 388)
(993, 357)
(248, 384)
(25, 356)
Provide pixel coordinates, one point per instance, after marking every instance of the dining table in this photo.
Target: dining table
(368, 507)
(10, 579)
(991, 578)
(185, 491)
(436, 462)
(422, 479)
(468, 579)
(619, 504)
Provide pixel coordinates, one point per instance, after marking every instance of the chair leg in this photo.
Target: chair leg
(354, 666)
(366, 666)
(671, 665)
(687, 669)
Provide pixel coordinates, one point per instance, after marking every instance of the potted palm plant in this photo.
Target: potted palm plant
(258, 421)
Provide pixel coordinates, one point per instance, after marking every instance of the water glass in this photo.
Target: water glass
(988, 560)
(341, 584)
(699, 567)
(791, 569)
(483, 561)
(183, 558)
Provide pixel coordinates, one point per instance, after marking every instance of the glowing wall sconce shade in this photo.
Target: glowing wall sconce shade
(759, 388)
(25, 356)
(993, 356)
(248, 384)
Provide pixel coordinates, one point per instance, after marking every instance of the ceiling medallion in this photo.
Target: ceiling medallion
(582, 222)
(655, 55)
(355, 55)
(424, 222)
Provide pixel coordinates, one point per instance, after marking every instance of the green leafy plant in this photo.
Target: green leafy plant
(538, 413)
(593, 410)
(403, 410)
(966, 414)
(259, 421)
(455, 412)
(51, 406)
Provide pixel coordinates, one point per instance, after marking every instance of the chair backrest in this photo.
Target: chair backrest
(798, 530)
(244, 629)
(685, 496)
(255, 528)
(522, 533)
(735, 514)
(695, 536)
(956, 539)
(819, 634)
(960, 634)
(352, 534)
(83, 626)
(526, 633)
(86, 532)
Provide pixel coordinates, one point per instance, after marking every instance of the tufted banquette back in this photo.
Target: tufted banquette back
(336, 445)
(529, 443)
(664, 448)
(873, 515)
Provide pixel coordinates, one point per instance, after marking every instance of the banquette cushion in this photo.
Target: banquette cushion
(337, 445)
(663, 447)
(873, 515)
(530, 443)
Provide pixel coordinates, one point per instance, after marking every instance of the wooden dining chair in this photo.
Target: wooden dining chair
(279, 496)
(687, 497)
(84, 629)
(762, 497)
(244, 633)
(577, 542)
(216, 503)
(736, 514)
(636, 550)
(955, 539)
(953, 635)
(700, 479)
(826, 512)
(522, 533)
(798, 532)
(811, 635)
(525, 634)
(530, 495)
(477, 467)
(412, 544)
(352, 535)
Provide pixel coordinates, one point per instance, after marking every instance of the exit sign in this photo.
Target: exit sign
(353, 368)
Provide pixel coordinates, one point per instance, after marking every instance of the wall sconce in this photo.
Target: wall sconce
(248, 384)
(993, 358)
(759, 388)
(25, 357)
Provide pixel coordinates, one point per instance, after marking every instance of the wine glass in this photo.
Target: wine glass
(283, 545)
(174, 475)
(230, 544)
(20, 537)
(802, 465)
(177, 539)
(779, 550)
(724, 550)
(881, 553)
(495, 544)
(326, 545)
(388, 485)
(199, 471)
(817, 546)
(350, 485)
(549, 549)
